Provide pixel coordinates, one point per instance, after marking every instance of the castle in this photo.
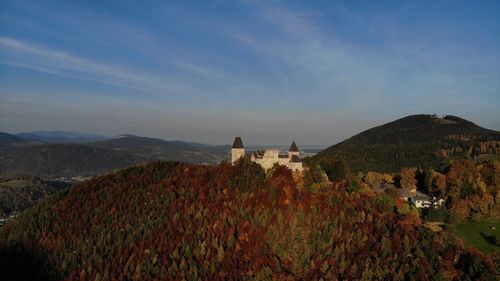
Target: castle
(267, 158)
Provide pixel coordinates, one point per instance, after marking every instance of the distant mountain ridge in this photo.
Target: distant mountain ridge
(154, 148)
(60, 137)
(6, 138)
(416, 140)
(69, 156)
(61, 160)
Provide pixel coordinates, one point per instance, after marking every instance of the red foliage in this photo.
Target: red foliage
(175, 221)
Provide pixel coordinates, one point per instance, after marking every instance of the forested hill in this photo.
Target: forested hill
(158, 149)
(6, 138)
(417, 140)
(32, 158)
(61, 160)
(170, 221)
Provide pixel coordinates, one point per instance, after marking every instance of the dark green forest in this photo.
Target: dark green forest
(173, 221)
(421, 141)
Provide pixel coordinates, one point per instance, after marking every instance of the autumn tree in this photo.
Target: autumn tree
(406, 178)
(374, 178)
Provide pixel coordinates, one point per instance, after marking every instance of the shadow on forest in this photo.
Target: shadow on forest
(490, 238)
(17, 263)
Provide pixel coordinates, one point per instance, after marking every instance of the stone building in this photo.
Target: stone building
(267, 158)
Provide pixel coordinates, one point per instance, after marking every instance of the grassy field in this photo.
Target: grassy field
(477, 234)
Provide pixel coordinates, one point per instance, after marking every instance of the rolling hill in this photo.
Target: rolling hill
(158, 149)
(25, 155)
(60, 137)
(417, 140)
(61, 160)
(6, 138)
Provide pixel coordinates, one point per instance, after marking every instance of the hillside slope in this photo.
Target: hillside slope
(60, 137)
(417, 140)
(170, 221)
(6, 138)
(20, 193)
(61, 160)
(20, 157)
(158, 149)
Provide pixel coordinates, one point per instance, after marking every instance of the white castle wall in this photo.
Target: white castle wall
(295, 166)
(271, 157)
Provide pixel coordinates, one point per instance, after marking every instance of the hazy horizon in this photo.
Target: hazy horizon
(269, 71)
(252, 144)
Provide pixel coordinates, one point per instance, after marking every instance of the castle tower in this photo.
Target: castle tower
(238, 150)
(294, 150)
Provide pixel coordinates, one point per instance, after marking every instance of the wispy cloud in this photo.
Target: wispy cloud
(356, 76)
(316, 62)
(292, 22)
(42, 59)
(186, 80)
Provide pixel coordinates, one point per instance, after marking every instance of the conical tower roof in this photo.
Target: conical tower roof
(293, 147)
(238, 143)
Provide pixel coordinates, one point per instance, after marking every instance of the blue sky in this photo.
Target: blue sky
(270, 71)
